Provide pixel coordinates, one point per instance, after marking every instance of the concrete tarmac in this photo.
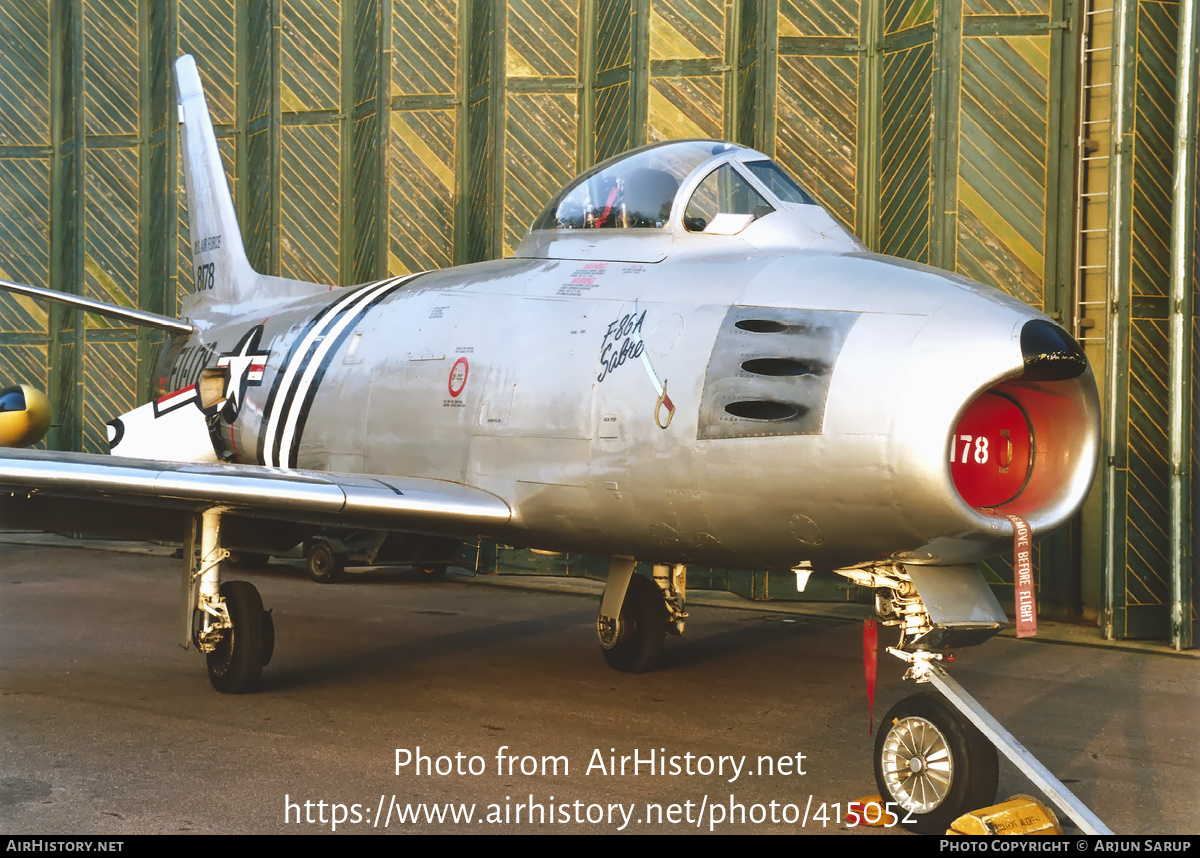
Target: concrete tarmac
(109, 727)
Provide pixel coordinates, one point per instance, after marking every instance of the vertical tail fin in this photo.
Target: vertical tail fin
(223, 274)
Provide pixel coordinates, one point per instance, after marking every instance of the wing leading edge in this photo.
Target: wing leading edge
(344, 500)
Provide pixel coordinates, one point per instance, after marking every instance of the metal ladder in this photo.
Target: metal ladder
(1090, 287)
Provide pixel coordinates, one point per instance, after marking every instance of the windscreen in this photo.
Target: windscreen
(634, 191)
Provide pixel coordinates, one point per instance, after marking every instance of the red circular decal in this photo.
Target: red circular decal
(458, 377)
(990, 452)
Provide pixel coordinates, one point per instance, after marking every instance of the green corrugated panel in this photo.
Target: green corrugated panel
(539, 157)
(24, 239)
(206, 30)
(1146, 584)
(110, 259)
(309, 202)
(806, 18)
(1002, 163)
(481, 150)
(424, 46)
(614, 63)
(1139, 491)
(480, 199)
(310, 48)
(1005, 7)
(686, 96)
(421, 141)
(421, 190)
(905, 162)
(368, 146)
(542, 38)
(25, 73)
(110, 66)
(367, 46)
(257, 204)
(254, 208)
(748, 79)
(255, 44)
(1147, 573)
(114, 363)
(25, 364)
(540, 58)
(907, 14)
(157, 239)
(817, 110)
(687, 29)
(683, 107)
(365, 264)
(1153, 149)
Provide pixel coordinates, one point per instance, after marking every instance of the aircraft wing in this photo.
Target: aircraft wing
(342, 500)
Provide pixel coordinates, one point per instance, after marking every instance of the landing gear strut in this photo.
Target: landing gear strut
(226, 621)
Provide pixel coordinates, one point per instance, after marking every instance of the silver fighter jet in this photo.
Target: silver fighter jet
(686, 361)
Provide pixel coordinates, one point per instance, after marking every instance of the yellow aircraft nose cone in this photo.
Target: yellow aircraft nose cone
(24, 415)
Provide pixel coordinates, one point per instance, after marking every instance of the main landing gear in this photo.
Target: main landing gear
(225, 620)
(636, 612)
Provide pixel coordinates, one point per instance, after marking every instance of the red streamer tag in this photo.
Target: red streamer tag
(1023, 597)
(870, 665)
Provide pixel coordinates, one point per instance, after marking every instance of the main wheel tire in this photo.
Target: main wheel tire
(633, 646)
(324, 564)
(236, 664)
(933, 763)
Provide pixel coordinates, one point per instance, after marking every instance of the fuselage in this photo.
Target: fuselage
(720, 406)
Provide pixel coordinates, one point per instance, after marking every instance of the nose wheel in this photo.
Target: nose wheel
(933, 763)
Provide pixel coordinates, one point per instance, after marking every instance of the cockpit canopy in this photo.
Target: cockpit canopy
(681, 187)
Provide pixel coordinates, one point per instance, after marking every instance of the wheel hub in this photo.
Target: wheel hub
(917, 764)
(607, 630)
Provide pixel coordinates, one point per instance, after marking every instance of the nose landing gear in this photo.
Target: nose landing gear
(936, 756)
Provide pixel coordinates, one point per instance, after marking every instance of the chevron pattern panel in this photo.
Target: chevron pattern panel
(1002, 163)
(686, 89)
(541, 62)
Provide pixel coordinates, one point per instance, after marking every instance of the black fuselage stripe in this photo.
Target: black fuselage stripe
(311, 392)
(292, 370)
(290, 398)
(273, 395)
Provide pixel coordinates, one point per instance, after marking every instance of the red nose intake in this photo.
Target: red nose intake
(990, 451)
(1027, 445)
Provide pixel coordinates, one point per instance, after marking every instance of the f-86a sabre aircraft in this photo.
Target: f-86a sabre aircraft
(686, 361)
